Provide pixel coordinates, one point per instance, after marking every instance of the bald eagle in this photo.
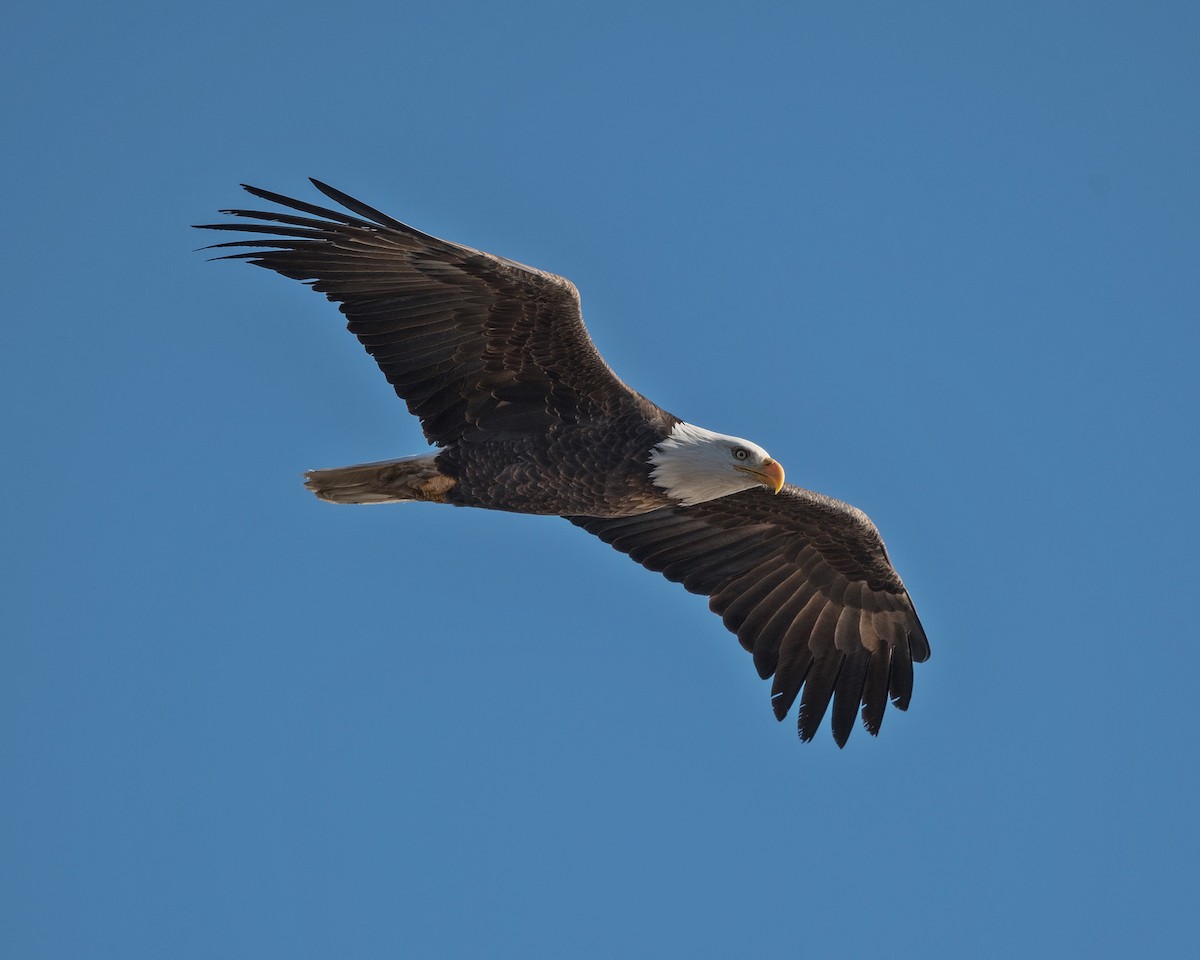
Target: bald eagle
(493, 358)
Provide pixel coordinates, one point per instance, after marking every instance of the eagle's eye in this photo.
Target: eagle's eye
(741, 453)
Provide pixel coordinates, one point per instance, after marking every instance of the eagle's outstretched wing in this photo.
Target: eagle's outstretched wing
(469, 340)
(805, 583)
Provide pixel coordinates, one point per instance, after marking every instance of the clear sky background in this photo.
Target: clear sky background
(940, 258)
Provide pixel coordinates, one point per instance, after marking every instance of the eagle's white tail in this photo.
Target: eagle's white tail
(387, 481)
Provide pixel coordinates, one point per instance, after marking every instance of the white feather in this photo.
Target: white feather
(694, 465)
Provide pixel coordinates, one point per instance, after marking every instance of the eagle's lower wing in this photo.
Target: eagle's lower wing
(805, 583)
(469, 340)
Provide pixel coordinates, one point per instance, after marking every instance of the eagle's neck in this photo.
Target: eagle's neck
(693, 465)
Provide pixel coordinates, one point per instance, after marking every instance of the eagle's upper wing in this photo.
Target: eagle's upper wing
(805, 583)
(467, 339)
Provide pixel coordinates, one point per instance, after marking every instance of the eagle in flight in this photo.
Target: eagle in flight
(493, 357)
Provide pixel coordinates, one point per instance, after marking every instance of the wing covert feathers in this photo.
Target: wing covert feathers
(805, 583)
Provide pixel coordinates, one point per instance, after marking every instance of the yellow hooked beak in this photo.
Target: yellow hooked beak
(770, 474)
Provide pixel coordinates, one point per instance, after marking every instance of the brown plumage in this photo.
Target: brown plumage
(805, 583)
(493, 357)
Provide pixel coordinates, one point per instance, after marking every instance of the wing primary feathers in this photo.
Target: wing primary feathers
(918, 643)
(875, 690)
(809, 592)
(818, 689)
(335, 215)
(790, 675)
(902, 675)
(361, 208)
(847, 693)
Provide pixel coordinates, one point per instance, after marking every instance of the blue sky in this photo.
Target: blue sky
(939, 258)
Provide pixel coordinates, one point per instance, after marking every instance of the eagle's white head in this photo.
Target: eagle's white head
(694, 465)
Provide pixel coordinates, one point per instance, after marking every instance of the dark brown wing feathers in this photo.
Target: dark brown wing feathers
(805, 583)
(470, 341)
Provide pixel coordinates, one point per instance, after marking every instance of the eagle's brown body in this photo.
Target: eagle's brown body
(580, 469)
(558, 475)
